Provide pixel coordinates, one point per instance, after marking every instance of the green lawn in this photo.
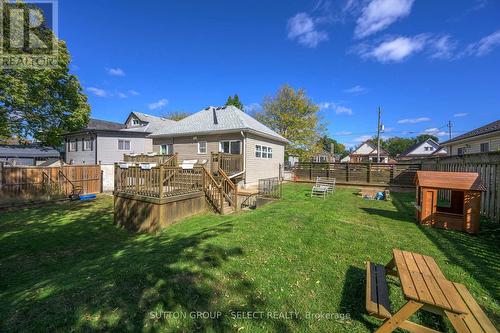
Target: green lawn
(68, 268)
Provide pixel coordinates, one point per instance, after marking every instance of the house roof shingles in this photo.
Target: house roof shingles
(216, 120)
(97, 124)
(27, 151)
(488, 128)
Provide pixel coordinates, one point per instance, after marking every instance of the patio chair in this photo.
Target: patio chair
(329, 183)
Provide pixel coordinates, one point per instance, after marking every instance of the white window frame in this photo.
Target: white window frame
(164, 149)
(70, 143)
(264, 152)
(200, 152)
(87, 145)
(230, 142)
(135, 122)
(462, 149)
(481, 147)
(123, 145)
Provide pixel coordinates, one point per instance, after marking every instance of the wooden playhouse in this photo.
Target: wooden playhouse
(463, 191)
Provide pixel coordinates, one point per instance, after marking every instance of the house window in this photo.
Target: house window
(136, 122)
(460, 151)
(230, 147)
(202, 147)
(123, 144)
(167, 149)
(87, 144)
(485, 147)
(73, 145)
(263, 151)
(428, 148)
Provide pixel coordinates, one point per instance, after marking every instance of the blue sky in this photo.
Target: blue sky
(423, 62)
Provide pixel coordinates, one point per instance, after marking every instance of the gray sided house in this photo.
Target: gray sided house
(29, 155)
(484, 139)
(426, 148)
(105, 142)
(258, 150)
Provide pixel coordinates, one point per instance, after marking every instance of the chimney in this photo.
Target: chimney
(215, 116)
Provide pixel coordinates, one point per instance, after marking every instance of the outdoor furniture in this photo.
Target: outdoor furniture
(464, 191)
(426, 288)
(323, 187)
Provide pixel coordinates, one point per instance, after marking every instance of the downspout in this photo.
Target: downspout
(244, 156)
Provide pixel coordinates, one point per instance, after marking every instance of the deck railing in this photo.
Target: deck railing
(166, 159)
(158, 182)
(231, 164)
(229, 189)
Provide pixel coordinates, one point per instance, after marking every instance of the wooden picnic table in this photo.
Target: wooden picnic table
(426, 288)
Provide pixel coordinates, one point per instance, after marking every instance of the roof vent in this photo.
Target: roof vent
(215, 116)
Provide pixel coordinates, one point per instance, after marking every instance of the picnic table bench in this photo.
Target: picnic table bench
(426, 288)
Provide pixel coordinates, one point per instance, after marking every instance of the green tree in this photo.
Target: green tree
(396, 145)
(235, 100)
(423, 137)
(292, 114)
(177, 115)
(326, 144)
(42, 104)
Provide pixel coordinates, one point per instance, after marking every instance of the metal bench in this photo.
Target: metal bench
(323, 187)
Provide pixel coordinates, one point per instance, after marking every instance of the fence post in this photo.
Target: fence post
(310, 170)
(2, 175)
(102, 180)
(160, 192)
(115, 178)
(347, 172)
(369, 174)
(391, 174)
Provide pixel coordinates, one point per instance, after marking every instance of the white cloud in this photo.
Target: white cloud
(356, 90)
(343, 133)
(252, 108)
(158, 105)
(460, 114)
(393, 50)
(434, 131)
(484, 46)
(121, 95)
(302, 28)
(441, 47)
(379, 14)
(115, 71)
(339, 109)
(413, 120)
(133, 93)
(363, 138)
(98, 92)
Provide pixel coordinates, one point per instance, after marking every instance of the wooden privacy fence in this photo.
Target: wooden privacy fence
(34, 180)
(401, 174)
(488, 167)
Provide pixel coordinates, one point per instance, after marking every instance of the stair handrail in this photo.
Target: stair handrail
(227, 186)
(215, 199)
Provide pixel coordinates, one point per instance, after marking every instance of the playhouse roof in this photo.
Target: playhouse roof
(450, 180)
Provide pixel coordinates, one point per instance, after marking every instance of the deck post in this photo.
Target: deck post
(221, 200)
(369, 174)
(347, 172)
(115, 178)
(160, 192)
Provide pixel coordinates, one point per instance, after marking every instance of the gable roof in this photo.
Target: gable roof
(488, 128)
(450, 180)
(31, 150)
(154, 123)
(213, 120)
(418, 144)
(373, 146)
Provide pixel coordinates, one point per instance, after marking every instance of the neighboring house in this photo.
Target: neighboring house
(105, 142)
(423, 149)
(258, 150)
(324, 157)
(480, 140)
(367, 152)
(29, 154)
(52, 162)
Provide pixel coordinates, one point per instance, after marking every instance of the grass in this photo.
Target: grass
(68, 268)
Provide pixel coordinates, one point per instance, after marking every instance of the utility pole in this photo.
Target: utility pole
(449, 129)
(378, 136)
